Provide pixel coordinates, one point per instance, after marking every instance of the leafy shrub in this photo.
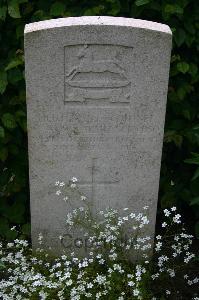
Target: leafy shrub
(182, 126)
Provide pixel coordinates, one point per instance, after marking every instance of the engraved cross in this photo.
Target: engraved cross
(93, 181)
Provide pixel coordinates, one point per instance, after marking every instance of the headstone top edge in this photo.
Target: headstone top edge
(98, 21)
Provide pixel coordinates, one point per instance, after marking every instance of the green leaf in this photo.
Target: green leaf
(8, 121)
(16, 212)
(172, 136)
(190, 26)
(10, 235)
(14, 63)
(20, 117)
(179, 37)
(4, 226)
(168, 199)
(195, 201)
(13, 149)
(20, 113)
(173, 9)
(194, 187)
(19, 31)
(194, 160)
(2, 132)
(193, 69)
(22, 1)
(186, 114)
(141, 2)
(13, 9)
(26, 229)
(196, 174)
(169, 9)
(2, 265)
(183, 67)
(3, 154)
(197, 229)
(3, 11)
(57, 9)
(94, 11)
(181, 92)
(15, 75)
(115, 8)
(3, 81)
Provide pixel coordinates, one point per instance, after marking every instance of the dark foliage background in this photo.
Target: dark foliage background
(179, 184)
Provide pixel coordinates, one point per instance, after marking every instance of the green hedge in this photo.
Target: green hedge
(179, 182)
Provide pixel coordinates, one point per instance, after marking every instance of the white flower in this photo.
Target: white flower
(101, 261)
(61, 184)
(132, 215)
(73, 185)
(168, 292)
(164, 224)
(43, 295)
(158, 246)
(74, 179)
(154, 276)
(65, 198)
(173, 208)
(131, 283)
(69, 282)
(145, 220)
(136, 292)
(176, 218)
(57, 183)
(166, 212)
(171, 272)
(40, 237)
(58, 192)
(83, 198)
(101, 279)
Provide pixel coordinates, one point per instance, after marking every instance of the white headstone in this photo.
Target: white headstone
(96, 99)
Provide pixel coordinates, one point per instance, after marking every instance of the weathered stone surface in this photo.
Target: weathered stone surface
(96, 98)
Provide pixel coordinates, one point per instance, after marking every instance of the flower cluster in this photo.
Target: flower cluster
(173, 255)
(120, 260)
